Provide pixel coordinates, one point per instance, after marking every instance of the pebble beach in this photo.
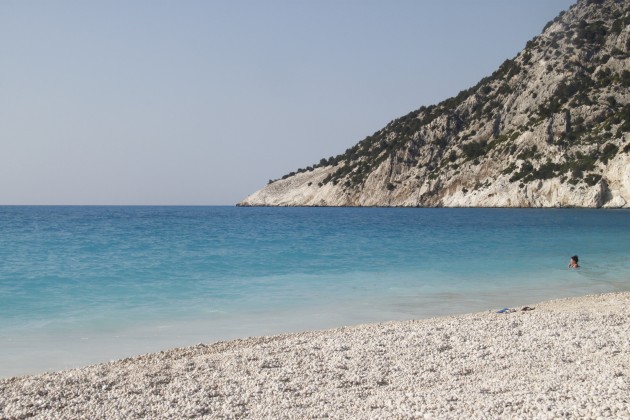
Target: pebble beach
(563, 358)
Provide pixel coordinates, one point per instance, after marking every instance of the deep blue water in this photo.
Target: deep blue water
(80, 285)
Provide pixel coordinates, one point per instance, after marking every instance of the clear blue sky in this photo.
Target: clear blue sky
(202, 102)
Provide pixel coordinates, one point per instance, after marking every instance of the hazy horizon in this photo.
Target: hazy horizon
(202, 102)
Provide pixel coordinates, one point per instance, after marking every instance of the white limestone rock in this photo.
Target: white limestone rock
(563, 101)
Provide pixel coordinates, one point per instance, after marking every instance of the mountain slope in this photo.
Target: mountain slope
(549, 128)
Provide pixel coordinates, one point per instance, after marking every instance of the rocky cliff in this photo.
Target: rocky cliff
(549, 128)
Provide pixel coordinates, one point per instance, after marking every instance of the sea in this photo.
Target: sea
(84, 285)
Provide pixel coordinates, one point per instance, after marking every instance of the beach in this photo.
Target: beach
(563, 358)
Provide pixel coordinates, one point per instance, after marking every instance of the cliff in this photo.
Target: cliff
(549, 128)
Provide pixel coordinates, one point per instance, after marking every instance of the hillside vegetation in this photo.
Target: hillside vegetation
(549, 128)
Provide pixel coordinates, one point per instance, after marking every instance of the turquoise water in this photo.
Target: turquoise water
(81, 285)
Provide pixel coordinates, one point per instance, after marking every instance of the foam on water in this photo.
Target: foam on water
(80, 285)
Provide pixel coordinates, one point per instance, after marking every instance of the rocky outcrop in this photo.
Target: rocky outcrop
(549, 128)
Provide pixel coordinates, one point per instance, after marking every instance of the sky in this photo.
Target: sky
(190, 102)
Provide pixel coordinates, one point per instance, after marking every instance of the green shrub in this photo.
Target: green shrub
(592, 179)
(609, 152)
(617, 27)
(509, 169)
(475, 149)
(593, 33)
(526, 169)
(528, 153)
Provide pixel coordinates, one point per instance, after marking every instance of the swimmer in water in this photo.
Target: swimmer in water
(574, 262)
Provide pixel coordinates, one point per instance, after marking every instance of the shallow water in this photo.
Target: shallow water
(80, 285)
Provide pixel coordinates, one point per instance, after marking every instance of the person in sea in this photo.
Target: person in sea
(574, 262)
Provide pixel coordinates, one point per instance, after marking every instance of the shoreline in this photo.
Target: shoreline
(567, 357)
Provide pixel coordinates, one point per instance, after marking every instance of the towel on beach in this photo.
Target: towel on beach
(505, 311)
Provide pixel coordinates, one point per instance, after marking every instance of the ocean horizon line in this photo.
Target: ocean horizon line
(314, 207)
